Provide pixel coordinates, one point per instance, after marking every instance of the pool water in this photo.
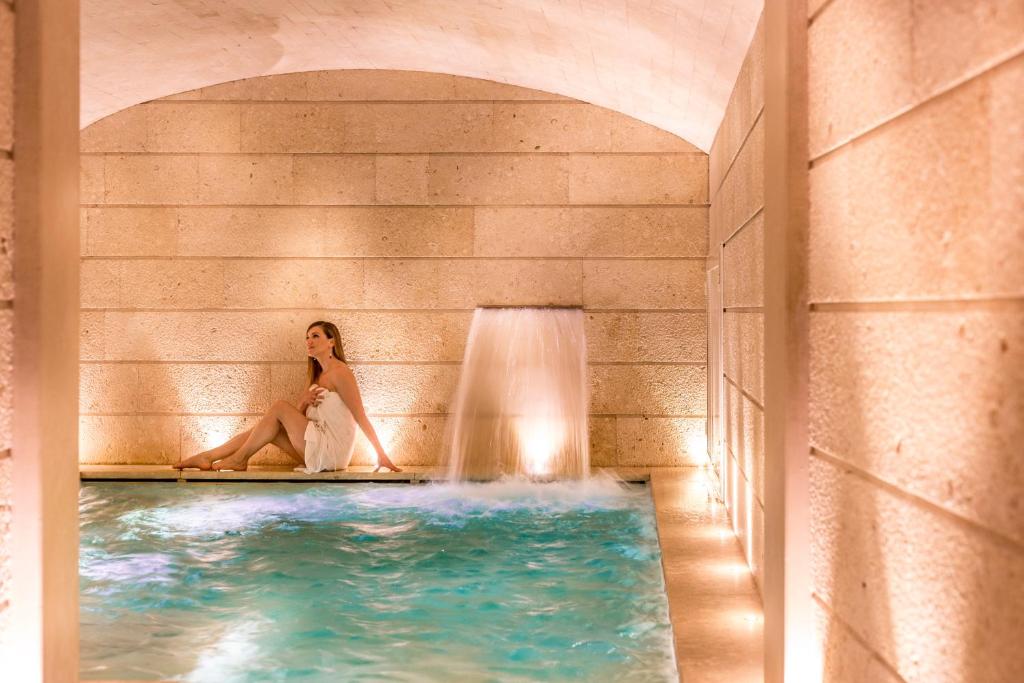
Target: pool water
(372, 582)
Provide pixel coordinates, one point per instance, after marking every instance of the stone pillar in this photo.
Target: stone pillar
(42, 641)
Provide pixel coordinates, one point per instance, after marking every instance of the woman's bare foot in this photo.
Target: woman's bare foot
(201, 461)
(233, 462)
(385, 461)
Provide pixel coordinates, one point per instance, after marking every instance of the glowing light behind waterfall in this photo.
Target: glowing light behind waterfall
(539, 439)
(521, 405)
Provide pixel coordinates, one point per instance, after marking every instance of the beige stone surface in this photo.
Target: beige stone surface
(954, 38)
(438, 283)
(930, 206)
(586, 231)
(745, 105)
(661, 442)
(923, 590)
(632, 135)
(753, 462)
(742, 191)
(168, 284)
(519, 179)
(184, 127)
(286, 283)
(612, 337)
(672, 337)
(6, 228)
(844, 657)
(407, 440)
(673, 389)
(324, 211)
(743, 266)
(643, 284)
(640, 179)
(91, 335)
(136, 231)
(6, 372)
(603, 441)
(716, 615)
(123, 131)
(92, 182)
(867, 42)
(323, 231)
(745, 438)
(275, 335)
(148, 179)
(108, 388)
(961, 372)
(401, 179)
(6, 78)
(907, 51)
(248, 179)
(331, 179)
(496, 89)
(367, 85)
(100, 284)
(432, 127)
(646, 337)
(129, 439)
(399, 231)
(743, 351)
(290, 86)
(552, 127)
(291, 128)
(401, 389)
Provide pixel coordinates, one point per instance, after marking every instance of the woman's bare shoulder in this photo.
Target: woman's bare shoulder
(334, 378)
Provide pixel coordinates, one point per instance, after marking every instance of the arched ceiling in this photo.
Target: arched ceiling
(670, 63)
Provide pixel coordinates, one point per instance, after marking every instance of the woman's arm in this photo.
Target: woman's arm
(343, 381)
(306, 399)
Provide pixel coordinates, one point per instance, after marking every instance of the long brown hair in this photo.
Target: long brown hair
(331, 330)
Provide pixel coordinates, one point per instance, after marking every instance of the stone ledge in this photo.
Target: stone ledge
(410, 474)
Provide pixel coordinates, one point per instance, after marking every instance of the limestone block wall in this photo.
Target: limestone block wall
(6, 297)
(737, 248)
(916, 283)
(217, 223)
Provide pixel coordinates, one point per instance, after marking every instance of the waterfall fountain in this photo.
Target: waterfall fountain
(521, 405)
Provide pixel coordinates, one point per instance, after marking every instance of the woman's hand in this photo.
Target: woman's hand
(311, 397)
(384, 461)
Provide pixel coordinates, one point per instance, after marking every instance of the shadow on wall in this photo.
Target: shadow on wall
(849, 562)
(928, 580)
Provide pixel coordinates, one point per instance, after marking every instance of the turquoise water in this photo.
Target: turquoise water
(369, 582)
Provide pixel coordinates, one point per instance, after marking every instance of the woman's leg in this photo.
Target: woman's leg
(282, 416)
(284, 443)
(205, 459)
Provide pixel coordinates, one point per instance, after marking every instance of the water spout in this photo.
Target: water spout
(521, 405)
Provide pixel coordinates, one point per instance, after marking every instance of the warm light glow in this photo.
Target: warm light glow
(729, 569)
(697, 445)
(213, 436)
(539, 439)
(749, 546)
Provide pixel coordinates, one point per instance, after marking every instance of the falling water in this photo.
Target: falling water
(521, 405)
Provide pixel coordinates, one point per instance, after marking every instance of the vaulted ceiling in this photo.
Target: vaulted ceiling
(670, 63)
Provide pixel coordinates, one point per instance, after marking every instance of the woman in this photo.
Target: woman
(318, 433)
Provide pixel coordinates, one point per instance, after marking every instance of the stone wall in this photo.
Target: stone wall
(217, 223)
(916, 283)
(737, 246)
(6, 297)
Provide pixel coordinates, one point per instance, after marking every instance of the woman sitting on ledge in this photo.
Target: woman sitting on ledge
(319, 433)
